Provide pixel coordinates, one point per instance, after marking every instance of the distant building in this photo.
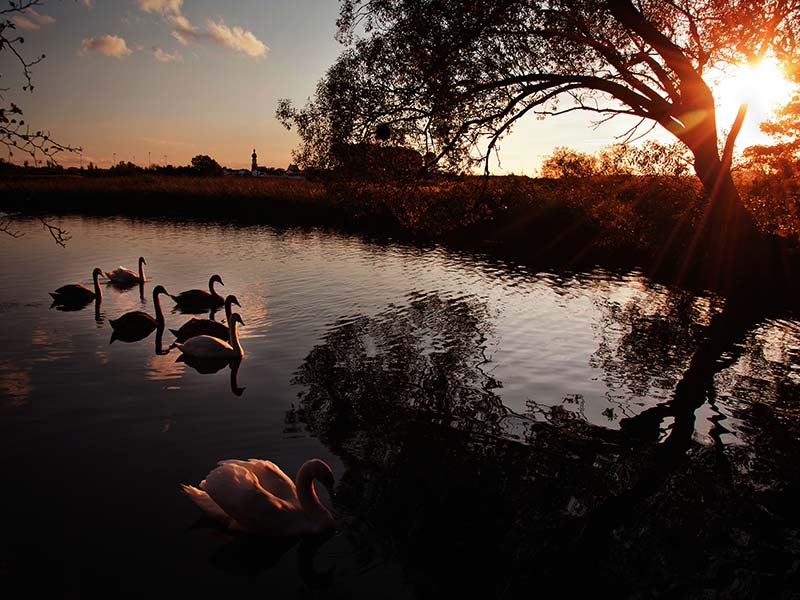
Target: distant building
(293, 171)
(254, 166)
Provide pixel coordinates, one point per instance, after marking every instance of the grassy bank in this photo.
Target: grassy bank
(252, 198)
(624, 220)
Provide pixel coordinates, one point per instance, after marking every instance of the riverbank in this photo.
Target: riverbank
(622, 221)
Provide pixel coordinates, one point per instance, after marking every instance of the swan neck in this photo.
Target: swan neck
(309, 501)
(141, 270)
(157, 305)
(228, 311)
(98, 292)
(234, 337)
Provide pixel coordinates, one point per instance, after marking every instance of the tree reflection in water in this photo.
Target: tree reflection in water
(472, 498)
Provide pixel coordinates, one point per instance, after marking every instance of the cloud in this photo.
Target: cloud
(166, 57)
(182, 29)
(236, 38)
(161, 6)
(31, 19)
(110, 45)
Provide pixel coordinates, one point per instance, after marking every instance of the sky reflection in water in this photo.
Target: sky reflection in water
(442, 388)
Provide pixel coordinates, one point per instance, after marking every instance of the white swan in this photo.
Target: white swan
(207, 346)
(123, 276)
(75, 293)
(255, 496)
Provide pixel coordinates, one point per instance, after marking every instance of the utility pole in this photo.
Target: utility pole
(149, 163)
(165, 160)
(114, 163)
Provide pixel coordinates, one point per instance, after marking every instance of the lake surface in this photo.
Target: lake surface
(490, 427)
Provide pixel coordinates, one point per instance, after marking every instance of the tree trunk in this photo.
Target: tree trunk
(727, 245)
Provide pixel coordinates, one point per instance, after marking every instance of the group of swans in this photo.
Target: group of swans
(253, 496)
(197, 338)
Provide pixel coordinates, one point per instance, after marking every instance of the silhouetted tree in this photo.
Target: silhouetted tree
(205, 165)
(566, 162)
(453, 77)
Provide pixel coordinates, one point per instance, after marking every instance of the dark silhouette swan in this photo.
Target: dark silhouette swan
(136, 325)
(200, 299)
(210, 347)
(123, 277)
(256, 496)
(194, 327)
(77, 294)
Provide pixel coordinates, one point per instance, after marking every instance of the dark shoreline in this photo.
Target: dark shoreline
(542, 224)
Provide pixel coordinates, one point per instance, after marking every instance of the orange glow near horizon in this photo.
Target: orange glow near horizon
(764, 87)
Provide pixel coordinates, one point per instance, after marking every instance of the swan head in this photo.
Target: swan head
(215, 279)
(97, 272)
(231, 299)
(142, 261)
(159, 289)
(236, 318)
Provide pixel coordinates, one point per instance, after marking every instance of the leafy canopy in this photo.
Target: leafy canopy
(452, 77)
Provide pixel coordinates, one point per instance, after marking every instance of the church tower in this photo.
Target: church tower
(254, 166)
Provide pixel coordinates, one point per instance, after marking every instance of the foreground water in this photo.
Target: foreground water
(490, 427)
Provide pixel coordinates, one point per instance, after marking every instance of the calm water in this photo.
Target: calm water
(476, 414)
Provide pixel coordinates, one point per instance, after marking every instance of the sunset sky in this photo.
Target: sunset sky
(171, 79)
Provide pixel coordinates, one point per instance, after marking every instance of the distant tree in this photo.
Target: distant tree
(205, 165)
(566, 162)
(615, 159)
(454, 76)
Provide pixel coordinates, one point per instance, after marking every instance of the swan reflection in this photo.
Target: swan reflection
(209, 366)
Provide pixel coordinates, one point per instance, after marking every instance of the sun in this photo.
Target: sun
(764, 87)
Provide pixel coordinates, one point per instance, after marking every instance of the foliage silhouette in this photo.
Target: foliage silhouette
(453, 78)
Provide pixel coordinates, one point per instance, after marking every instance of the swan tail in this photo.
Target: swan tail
(174, 332)
(206, 504)
(54, 295)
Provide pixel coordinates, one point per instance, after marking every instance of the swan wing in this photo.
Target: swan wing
(192, 296)
(194, 327)
(270, 477)
(207, 505)
(122, 274)
(235, 489)
(136, 319)
(206, 346)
